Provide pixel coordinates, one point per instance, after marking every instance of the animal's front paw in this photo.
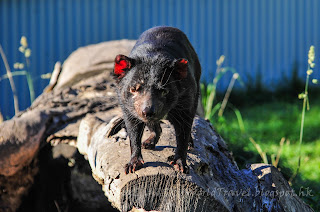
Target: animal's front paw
(134, 164)
(179, 164)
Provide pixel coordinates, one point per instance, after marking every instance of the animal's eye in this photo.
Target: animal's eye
(133, 90)
(164, 92)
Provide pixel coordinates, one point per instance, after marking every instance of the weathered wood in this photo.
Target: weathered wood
(214, 182)
(83, 111)
(55, 116)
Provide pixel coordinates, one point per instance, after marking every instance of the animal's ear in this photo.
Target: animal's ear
(122, 64)
(181, 67)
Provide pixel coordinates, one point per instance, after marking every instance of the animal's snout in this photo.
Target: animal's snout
(148, 112)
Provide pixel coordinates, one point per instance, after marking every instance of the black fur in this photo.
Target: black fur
(162, 82)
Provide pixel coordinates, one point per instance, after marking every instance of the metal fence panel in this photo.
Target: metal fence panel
(262, 39)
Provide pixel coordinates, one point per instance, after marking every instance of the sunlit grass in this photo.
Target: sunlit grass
(267, 123)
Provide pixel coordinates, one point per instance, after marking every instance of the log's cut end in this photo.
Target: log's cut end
(167, 192)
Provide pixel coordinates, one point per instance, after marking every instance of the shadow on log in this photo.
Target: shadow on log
(40, 155)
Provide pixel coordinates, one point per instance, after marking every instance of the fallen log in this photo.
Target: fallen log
(79, 88)
(214, 182)
(83, 112)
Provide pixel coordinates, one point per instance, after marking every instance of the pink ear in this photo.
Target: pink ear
(182, 68)
(122, 64)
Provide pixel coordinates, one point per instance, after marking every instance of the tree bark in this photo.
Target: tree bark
(214, 182)
(83, 112)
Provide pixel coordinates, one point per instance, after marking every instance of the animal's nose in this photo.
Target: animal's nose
(148, 112)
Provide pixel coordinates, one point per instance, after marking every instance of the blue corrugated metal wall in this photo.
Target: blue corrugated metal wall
(263, 37)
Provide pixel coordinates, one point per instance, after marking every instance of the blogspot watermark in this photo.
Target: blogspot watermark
(256, 191)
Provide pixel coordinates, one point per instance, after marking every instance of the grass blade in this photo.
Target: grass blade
(13, 86)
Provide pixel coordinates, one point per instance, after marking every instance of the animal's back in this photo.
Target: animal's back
(169, 42)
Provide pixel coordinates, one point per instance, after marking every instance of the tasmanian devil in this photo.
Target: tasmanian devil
(158, 80)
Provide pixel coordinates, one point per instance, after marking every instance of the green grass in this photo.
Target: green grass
(267, 123)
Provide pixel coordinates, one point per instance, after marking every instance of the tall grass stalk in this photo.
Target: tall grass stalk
(212, 89)
(13, 86)
(239, 118)
(209, 91)
(277, 158)
(27, 53)
(227, 95)
(208, 96)
(262, 154)
(30, 86)
(305, 106)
